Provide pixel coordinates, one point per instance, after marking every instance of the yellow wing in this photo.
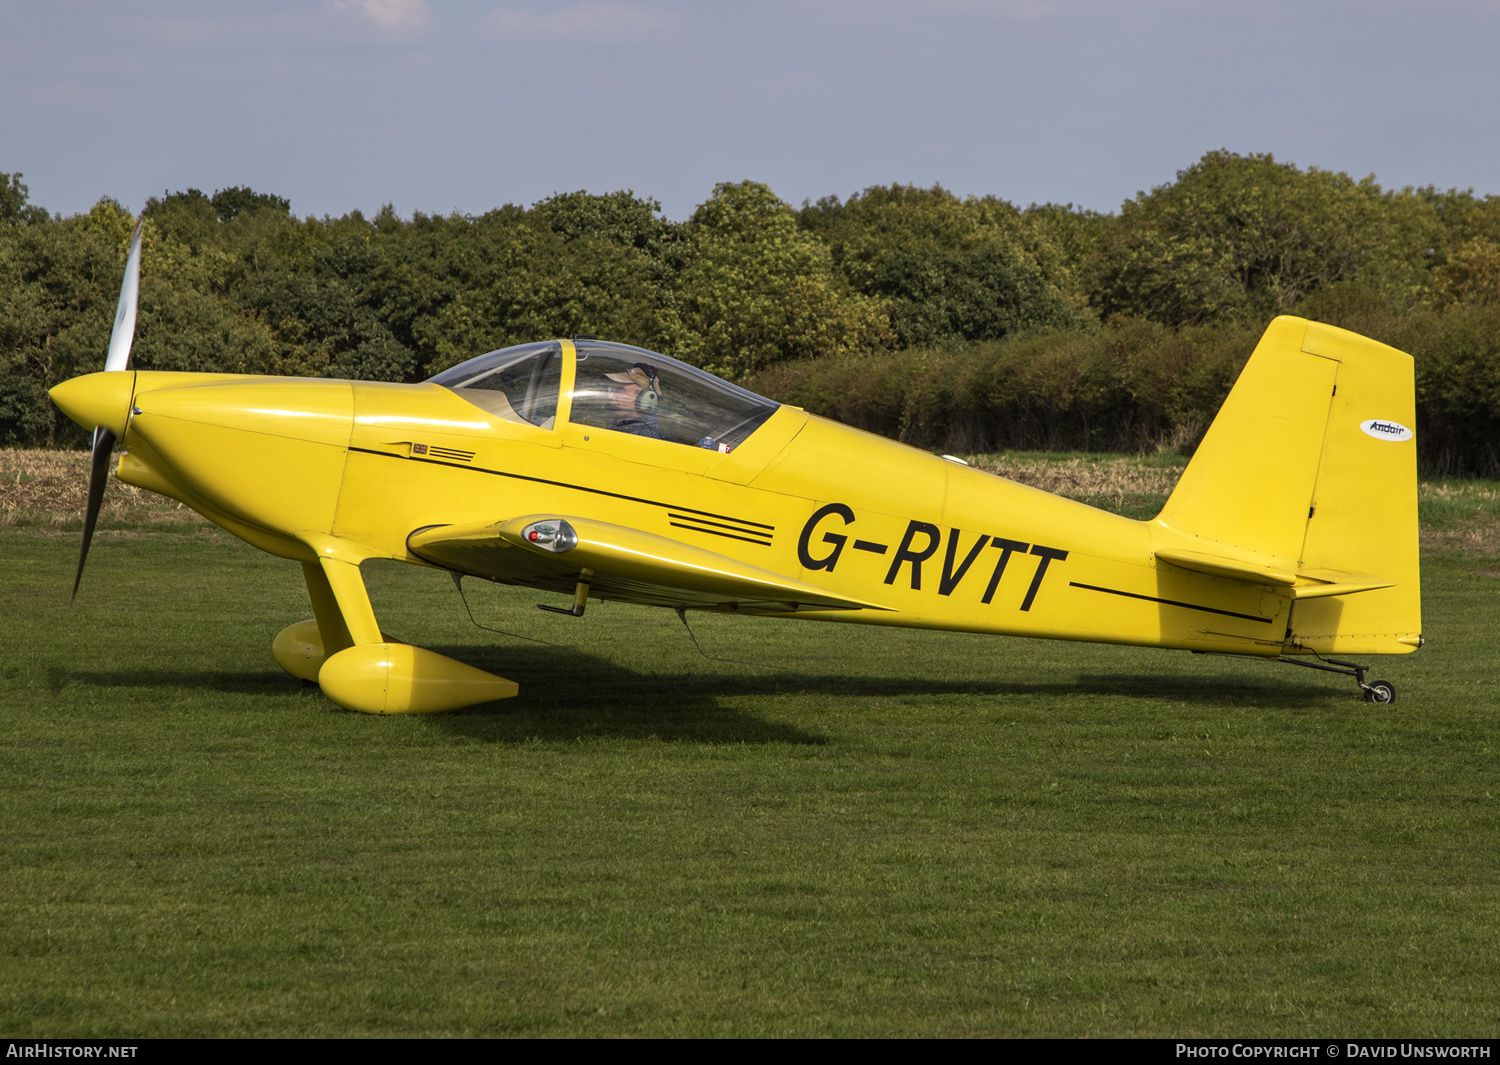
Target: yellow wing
(552, 551)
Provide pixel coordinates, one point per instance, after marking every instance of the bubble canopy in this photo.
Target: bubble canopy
(616, 387)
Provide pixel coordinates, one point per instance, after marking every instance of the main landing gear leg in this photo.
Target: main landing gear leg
(1376, 691)
(361, 668)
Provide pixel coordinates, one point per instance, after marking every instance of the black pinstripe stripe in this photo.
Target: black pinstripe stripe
(565, 484)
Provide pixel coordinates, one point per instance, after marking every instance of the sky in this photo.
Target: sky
(439, 106)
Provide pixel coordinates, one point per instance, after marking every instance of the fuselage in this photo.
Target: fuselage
(303, 467)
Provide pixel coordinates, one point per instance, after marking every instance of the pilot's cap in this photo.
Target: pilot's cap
(640, 374)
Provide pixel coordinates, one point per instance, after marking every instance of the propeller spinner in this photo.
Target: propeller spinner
(118, 358)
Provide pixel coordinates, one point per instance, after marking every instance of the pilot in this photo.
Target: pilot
(633, 399)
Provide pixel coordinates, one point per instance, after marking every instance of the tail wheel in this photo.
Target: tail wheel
(1380, 691)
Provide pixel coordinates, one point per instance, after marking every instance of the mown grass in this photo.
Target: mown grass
(858, 833)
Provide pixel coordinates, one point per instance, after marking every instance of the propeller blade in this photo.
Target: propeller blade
(123, 334)
(120, 339)
(104, 444)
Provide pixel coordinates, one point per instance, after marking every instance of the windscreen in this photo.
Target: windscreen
(520, 384)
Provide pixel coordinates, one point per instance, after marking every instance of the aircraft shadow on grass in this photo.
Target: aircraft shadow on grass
(566, 694)
(1272, 692)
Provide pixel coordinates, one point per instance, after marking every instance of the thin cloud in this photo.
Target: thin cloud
(407, 18)
(593, 20)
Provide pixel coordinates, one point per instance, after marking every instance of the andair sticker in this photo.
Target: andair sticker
(1384, 430)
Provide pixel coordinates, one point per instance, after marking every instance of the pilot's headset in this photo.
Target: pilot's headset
(648, 398)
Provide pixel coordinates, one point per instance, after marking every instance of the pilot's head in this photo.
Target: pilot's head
(634, 392)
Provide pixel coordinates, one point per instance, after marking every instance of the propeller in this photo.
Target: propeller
(118, 358)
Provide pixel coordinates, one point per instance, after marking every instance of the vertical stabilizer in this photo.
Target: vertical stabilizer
(1250, 484)
(1308, 477)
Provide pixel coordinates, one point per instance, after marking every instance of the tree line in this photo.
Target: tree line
(942, 320)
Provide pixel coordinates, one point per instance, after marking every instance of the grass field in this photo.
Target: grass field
(845, 832)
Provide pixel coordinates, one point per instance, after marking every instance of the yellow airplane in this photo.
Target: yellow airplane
(599, 470)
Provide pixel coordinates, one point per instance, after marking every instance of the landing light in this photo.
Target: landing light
(554, 536)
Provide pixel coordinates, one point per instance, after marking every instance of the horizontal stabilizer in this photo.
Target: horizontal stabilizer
(1233, 568)
(1337, 582)
(1301, 584)
(626, 564)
